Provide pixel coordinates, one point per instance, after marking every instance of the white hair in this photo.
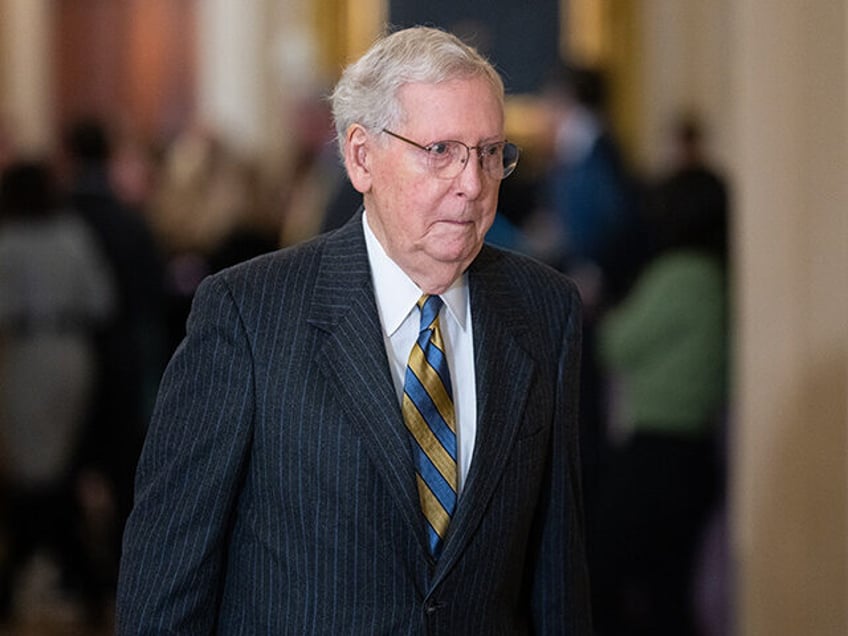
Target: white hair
(367, 93)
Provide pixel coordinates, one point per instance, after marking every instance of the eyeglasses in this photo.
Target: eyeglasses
(447, 159)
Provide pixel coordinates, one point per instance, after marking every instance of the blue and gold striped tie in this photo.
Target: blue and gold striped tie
(429, 415)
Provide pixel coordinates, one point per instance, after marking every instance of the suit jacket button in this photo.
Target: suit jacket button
(431, 607)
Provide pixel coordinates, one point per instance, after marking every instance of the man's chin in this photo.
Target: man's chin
(458, 254)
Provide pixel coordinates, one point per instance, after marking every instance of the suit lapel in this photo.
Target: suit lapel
(353, 357)
(504, 370)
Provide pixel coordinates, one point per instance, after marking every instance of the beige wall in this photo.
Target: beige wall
(26, 93)
(790, 118)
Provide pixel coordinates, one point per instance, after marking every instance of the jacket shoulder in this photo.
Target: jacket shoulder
(524, 277)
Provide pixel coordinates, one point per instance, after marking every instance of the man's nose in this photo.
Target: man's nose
(472, 177)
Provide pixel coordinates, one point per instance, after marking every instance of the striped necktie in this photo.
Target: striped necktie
(429, 415)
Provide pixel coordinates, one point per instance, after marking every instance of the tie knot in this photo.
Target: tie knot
(429, 306)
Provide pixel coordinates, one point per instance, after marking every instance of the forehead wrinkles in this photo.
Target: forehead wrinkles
(441, 110)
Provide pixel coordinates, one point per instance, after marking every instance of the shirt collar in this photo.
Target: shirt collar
(396, 293)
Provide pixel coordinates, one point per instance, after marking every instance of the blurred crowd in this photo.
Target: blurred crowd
(103, 245)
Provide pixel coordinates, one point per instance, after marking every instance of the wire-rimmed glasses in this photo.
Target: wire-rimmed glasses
(447, 159)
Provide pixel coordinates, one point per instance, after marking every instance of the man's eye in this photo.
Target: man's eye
(439, 148)
(491, 151)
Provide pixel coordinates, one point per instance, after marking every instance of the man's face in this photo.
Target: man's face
(430, 226)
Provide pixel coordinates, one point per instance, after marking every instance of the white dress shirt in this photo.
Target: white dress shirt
(396, 297)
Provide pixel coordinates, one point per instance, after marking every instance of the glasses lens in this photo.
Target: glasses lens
(510, 159)
(446, 158)
(499, 159)
(491, 158)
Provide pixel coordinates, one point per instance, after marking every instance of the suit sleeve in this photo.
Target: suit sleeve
(188, 476)
(560, 586)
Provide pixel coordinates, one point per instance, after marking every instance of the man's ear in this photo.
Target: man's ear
(357, 158)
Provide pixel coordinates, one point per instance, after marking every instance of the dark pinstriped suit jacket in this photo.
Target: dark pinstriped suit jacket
(276, 495)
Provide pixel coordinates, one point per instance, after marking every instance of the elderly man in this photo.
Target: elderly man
(374, 432)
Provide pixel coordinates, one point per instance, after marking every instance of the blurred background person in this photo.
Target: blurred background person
(206, 213)
(55, 293)
(315, 186)
(590, 188)
(665, 346)
(592, 197)
(686, 150)
(130, 346)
